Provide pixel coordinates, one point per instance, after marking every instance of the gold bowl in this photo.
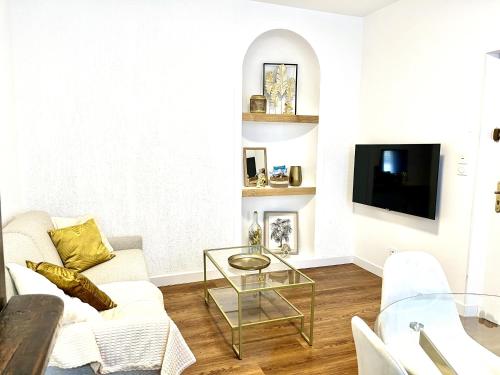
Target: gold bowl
(249, 262)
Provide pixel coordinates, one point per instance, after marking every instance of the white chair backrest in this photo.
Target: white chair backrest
(410, 273)
(373, 356)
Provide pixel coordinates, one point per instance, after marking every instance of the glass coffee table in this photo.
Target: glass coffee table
(253, 297)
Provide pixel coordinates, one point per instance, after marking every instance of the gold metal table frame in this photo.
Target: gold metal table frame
(250, 291)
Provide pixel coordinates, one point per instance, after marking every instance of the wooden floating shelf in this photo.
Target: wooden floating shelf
(270, 192)
(264, 117)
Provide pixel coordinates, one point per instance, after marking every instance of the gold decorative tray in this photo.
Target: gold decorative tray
(249, 262)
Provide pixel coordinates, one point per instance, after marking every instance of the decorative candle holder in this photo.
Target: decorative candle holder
(258, 104)
(295, 175)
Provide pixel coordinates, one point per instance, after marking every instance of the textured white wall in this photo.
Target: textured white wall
(423, 66)
(131, 110)
(124, 109)
(11, 199)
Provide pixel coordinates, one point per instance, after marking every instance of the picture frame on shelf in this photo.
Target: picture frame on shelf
(280, 228)
(279, 86)
(255, 167)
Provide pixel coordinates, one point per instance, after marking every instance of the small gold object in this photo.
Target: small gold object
(497, 198)
(261, 180)
(249, 262)
(295, 175)
(258, 104)
(285, 250)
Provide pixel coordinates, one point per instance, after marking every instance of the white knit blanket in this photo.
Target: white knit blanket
(138, 335)
(123, 347)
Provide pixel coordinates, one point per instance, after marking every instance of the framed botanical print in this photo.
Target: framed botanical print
(280, 228)
(280, 88)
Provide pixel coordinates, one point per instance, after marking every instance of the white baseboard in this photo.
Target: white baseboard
(318, 262)
(194, 276)
(368, 266)
(182, 278)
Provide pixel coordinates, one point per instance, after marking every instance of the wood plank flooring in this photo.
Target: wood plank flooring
(341, 292)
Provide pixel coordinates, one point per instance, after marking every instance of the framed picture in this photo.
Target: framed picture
(281, 227)
(280, 88)
(255, 166)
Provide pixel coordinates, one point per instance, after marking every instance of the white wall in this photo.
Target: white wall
(423, 66)
(132, 110)
(124, 110)
(11, 200)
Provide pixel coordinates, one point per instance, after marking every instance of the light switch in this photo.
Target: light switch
(462, 159)
(462, 164)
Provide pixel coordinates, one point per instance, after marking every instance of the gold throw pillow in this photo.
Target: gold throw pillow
(73, 284)
(80, 246)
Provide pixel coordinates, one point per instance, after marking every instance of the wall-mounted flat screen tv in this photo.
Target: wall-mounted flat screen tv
(397, 177)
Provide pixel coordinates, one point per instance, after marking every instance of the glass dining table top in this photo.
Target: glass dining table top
(279, 273)
(444, 333)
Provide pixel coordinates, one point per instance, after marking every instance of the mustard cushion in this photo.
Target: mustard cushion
(73, 284)
(80, 246)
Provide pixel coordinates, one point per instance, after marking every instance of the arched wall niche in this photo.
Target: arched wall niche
(283, 46)
(286, 143)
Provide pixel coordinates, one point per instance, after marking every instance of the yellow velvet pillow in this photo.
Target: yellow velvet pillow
(80, 246)
(73, 284)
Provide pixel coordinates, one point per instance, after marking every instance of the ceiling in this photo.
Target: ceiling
(358, 8)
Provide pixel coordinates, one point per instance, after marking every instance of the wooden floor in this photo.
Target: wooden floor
(341, 292)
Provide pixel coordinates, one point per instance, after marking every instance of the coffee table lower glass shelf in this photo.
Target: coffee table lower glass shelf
(254, 298)
(257, 308)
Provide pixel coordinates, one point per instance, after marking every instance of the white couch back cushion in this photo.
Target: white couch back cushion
(26, 238)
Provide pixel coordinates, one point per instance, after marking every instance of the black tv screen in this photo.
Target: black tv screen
(401, 177)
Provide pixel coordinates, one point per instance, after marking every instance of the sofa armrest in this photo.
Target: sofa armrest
(126, 242)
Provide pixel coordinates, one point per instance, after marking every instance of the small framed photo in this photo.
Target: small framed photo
(280, 228)
(280, 88)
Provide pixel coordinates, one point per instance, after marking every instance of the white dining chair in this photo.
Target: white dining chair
(410, 274)
(373, 356)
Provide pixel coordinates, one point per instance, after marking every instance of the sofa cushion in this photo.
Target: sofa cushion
(80, 246)
(135, 299)
(127, 265)
(73, 284)
(26, 237)
(29, 282)
(63, 222)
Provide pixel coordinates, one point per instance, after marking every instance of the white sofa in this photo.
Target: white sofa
(26, 238)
